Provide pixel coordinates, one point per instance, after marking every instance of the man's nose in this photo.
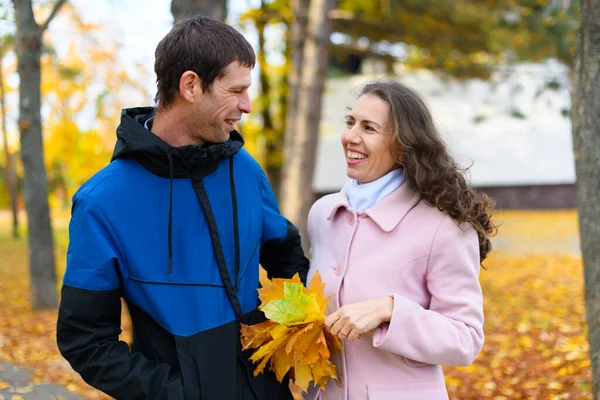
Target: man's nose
(245, 105)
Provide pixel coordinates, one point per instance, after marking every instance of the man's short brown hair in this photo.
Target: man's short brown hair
(199, 44)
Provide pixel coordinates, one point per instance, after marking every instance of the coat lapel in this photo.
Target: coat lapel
(388, 212)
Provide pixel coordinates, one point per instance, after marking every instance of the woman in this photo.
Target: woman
(399, 248)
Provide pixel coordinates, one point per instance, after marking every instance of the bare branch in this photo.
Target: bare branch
(55, 10)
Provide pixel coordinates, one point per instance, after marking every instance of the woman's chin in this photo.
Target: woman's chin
(352, 174)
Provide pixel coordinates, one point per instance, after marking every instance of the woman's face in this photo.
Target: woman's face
(367, 139)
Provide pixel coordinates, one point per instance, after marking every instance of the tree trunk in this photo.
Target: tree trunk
(265, 106)
(296, 50)
(275, 171)
(11, 174)
(35, 186)
(288, 89)
(586, 143)
(302, 139)
(216, 9)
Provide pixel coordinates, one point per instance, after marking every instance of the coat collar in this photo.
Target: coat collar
(388, 212)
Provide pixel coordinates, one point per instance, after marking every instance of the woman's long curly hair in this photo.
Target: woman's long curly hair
(428, 166)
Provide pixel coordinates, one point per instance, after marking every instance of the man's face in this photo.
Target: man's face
(222, 105)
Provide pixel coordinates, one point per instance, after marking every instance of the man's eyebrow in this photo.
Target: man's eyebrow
(239, 86)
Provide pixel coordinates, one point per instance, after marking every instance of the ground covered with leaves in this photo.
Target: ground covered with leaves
(535, 316)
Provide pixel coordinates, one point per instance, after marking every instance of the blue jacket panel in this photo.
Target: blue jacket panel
(118, 231)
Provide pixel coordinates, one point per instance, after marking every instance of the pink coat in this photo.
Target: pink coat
(407, 249)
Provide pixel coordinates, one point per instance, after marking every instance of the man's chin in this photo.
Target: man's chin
(226, 137)
(222, 138)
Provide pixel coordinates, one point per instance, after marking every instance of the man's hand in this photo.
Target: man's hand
(352, 320)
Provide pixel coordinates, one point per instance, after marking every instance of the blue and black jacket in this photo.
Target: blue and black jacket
(178, 233)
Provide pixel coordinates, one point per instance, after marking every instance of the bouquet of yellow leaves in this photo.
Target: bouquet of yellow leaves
(293, 339)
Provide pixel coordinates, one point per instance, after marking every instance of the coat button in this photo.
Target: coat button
(350, 219)
(338, 270)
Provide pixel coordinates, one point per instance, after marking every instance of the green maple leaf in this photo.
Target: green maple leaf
(295, 306)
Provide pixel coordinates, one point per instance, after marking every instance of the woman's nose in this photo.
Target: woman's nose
(351, 135)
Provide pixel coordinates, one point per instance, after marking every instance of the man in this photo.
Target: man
(176, 225)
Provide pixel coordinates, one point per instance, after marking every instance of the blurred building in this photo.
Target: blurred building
(513, 131)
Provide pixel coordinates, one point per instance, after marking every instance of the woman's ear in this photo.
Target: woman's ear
(189, 86)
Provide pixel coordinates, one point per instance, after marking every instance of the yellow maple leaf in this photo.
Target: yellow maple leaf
(267, 350)
(281, 363)
(273, 289)
(302, 376)
(322, 371)
(304, 348)
(333, 342)
(317, 287)
(255, 335)
(295, 390)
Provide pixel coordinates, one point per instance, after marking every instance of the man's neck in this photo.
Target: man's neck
(168, 126)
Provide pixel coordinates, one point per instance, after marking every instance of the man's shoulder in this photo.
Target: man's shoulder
(105, 182)
(247, 162)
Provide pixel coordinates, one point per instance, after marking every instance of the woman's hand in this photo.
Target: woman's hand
(352, 320)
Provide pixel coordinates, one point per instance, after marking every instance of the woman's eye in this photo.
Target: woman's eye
(370, 128)
(349, 122)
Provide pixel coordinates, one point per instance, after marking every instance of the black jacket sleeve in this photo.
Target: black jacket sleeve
(88, 337)
(283, 258)
(281, 253)
(89, 316)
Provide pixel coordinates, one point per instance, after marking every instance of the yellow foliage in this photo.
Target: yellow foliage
(88, 80)
(535, 327)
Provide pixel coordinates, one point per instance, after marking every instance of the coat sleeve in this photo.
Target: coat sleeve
(281, 253)
(89, 316)
(450, 332)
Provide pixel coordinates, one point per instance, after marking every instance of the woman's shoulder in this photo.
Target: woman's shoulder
(441, 220)
(327, 203)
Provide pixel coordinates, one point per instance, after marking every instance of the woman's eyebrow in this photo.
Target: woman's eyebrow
(364, 121)
(368, 121)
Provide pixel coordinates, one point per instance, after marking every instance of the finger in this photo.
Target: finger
(332, 319)
(345, 331)
(344, 334)
(337, 327)
(354, 334)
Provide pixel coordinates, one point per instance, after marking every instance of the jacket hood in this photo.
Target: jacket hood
(135, 141)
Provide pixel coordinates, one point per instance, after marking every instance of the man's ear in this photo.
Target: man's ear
(189, 86)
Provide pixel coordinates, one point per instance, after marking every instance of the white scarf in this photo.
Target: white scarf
(363, 196)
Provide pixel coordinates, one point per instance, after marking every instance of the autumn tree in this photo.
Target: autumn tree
(300, 152)
(216, 9)
(6, 45)
(29, 43)
(586, 142)
(74, 152)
